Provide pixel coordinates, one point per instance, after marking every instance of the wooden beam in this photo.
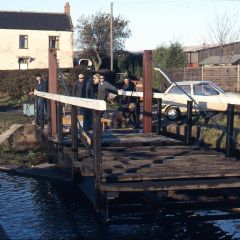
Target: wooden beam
(97, 134)
(172, 185)
(75, 101)
(52, 88)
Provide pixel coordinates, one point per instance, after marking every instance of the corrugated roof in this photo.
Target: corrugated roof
(35, 21)
(197, 47)
(221, 60)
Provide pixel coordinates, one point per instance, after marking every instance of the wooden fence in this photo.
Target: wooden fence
(227, 77)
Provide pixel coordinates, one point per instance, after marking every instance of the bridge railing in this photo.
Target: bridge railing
(97, 106)
(229, 130)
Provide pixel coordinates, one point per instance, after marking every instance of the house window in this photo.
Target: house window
(23, 63)
(54, 42)
(23, 41)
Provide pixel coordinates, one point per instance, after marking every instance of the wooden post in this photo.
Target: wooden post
(49, 122)
(230, 128)
(188, 136)
(74, 133)
(147, 92)
(42, 116)
(59, 122)
(138, 110)
(97, 155)
(159, 115)
(238, 80)
(52, 88)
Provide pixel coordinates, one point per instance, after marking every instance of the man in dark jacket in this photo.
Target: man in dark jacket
(78, 89)
(89, 93)
(40, 103)
(104, 87)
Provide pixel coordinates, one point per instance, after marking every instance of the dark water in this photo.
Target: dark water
(35, 209)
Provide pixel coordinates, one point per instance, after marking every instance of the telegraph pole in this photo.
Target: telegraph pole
(111, 37)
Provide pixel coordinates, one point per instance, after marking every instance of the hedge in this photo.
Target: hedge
(17, 83)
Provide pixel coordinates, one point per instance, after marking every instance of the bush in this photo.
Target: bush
(17, 83)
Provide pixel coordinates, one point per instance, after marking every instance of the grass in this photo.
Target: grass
(30, 158)
(214, 131)
(9, 102)
(8, 114)
(7, 120)
(8, 117)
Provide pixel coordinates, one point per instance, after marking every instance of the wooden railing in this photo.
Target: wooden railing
(230, 142)
(97, 106)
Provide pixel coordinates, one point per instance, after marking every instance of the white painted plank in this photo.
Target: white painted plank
(94, 104)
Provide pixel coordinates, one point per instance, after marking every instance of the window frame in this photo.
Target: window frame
(23, 38)
(25, 61)
(209, 86)
(56, 42)
(180, 92)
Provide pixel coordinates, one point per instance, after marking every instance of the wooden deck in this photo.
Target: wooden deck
(137, 162)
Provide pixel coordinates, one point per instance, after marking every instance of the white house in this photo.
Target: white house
(25, 39)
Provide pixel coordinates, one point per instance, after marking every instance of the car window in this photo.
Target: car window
(204, 90)
(177, 90)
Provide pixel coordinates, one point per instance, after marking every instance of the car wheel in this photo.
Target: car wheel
(173, 113)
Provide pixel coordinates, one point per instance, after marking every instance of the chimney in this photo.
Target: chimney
(67, 9)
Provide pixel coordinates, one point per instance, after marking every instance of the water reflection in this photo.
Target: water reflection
(33, 209)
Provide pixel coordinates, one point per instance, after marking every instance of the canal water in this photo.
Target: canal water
(37, 209)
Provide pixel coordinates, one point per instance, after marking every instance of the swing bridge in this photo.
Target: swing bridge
(126, 165)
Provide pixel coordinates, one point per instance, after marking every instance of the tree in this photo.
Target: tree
(222, 31)
(167, 58)
(131, 64)
(93, 35)
(175, 56)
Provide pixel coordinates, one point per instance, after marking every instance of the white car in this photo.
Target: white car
(208, 96)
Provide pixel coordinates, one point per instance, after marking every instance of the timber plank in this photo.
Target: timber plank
(191, 184)
(165, 175)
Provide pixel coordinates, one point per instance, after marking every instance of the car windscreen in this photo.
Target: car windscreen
(217, 87)
(177, 89)
(204, 90)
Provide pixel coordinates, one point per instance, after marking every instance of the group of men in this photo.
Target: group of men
(95, 88)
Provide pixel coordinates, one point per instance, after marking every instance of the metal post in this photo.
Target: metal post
(159, 115)
(147, 92)
(74, 133)
(97, 155)
(52, 88)
(188, 136)
(230, 128)
(111, 37)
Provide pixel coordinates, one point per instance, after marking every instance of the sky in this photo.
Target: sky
(152, 22)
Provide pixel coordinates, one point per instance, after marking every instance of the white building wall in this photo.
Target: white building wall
(38, 47)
